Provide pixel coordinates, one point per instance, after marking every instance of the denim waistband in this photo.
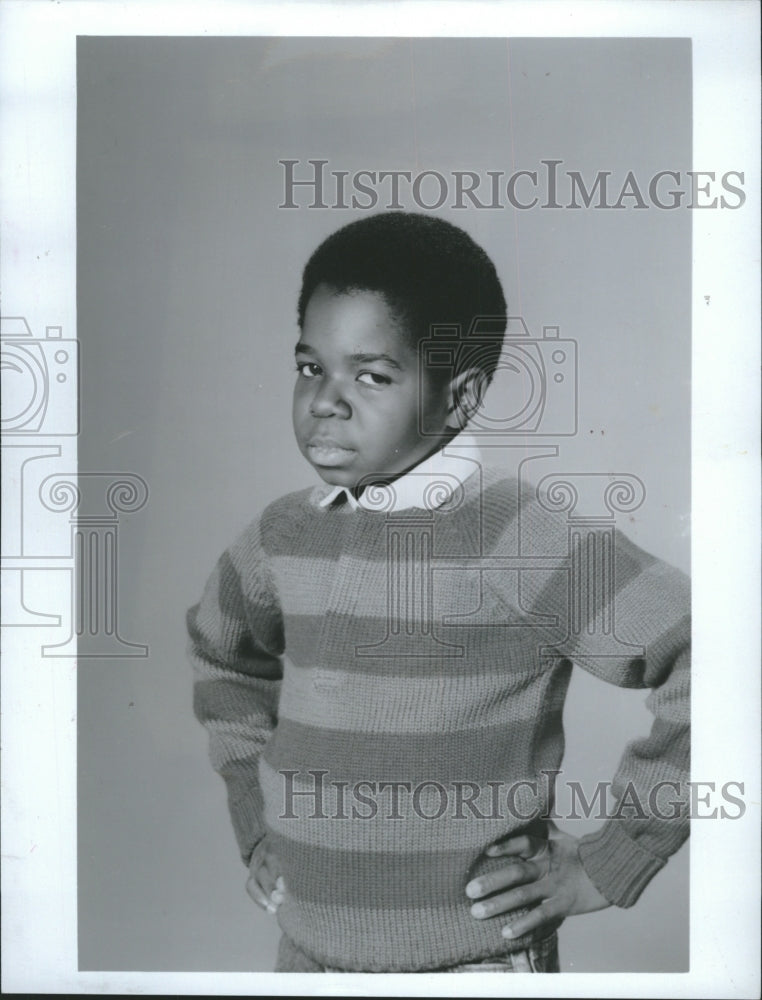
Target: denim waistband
(539, 957)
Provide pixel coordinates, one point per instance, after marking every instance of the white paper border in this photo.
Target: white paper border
(37, 147)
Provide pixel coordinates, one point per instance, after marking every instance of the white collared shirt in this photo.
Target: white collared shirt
(426, 486)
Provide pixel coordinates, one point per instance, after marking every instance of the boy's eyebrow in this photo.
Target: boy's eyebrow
(357, 358)
(369, 358)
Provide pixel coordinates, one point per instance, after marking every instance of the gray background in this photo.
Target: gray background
(187, 280)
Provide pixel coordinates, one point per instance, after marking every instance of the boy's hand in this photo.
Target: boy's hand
(265, 885)
(547, 873)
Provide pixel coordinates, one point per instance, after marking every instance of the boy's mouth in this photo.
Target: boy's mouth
(327, 452)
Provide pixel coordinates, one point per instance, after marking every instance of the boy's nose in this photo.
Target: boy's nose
(328, 402)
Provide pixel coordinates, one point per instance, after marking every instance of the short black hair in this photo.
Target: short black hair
(429, 271)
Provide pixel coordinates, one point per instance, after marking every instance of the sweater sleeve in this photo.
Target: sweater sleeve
(236, 638)
(649, 610)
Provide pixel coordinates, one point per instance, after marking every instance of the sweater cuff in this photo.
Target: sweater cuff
(619, 868)
(246, 814)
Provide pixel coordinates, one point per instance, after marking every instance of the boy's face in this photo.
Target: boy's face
(357, 396)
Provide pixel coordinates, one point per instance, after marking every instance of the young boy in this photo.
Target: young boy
(382, 661)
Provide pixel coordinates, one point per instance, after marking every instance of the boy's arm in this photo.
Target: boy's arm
(562, 875)
(236, 636)
(651, 609)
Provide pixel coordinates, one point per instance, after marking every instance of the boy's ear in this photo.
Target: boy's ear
(466, 394)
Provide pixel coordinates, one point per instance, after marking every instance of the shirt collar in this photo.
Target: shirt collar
(427, 486)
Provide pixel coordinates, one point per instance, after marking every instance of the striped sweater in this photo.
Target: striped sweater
(383, 694)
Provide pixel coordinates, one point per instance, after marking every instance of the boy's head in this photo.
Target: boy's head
(370, 293)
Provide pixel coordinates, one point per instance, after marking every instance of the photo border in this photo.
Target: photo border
(38, 168)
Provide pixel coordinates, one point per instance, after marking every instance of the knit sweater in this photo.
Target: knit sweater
(383, 694)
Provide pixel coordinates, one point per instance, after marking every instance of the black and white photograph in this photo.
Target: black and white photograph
(380, 494)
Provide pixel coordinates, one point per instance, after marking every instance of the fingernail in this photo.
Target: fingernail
(279, 883)
(473, 889)
(478, 910)
(492, 851)
(271, 908)
(507, 932)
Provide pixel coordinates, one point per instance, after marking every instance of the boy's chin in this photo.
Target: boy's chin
(337, 477)
(350, 480)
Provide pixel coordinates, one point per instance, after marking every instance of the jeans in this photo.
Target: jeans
(541, 957)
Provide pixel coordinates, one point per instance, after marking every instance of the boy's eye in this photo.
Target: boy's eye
(308, 369)
(373, 378)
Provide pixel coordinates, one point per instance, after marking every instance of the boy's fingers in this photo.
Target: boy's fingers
(264, 877)
(548, 909)
(523, 846)
(523, 895)
(268, 873)
(516, 873)
(279, 892)
(258, 857)
(264, 866)
(258, 894)
(264, 884)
